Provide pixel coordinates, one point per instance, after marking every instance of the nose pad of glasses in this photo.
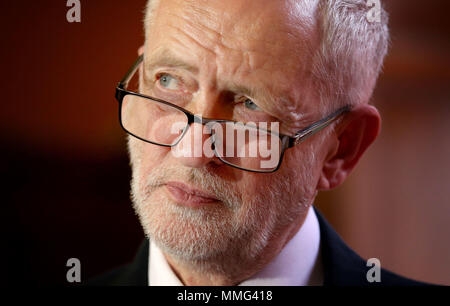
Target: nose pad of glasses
(212, 138)
(214, 148)
(195, 142)
(213, 143)
(214, 135)
(182, 132)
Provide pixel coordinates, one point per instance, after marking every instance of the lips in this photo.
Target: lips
(188, 196)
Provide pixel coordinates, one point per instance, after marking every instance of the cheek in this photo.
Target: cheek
(303, 167)
(256, 190)
(149, 156)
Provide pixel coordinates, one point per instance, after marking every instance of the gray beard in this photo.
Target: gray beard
(221, 238)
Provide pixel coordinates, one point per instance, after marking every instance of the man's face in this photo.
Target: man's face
(215, 55)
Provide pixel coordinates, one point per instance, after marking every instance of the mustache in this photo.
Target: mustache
(197, 177)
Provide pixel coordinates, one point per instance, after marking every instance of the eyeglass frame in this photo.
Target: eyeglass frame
(286, 140)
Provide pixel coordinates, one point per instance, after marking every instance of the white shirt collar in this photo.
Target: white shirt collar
(298, 263)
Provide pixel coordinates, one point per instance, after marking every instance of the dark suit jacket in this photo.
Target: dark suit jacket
(341, 266)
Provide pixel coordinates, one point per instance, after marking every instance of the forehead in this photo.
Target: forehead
(255, 40)
(243, 24)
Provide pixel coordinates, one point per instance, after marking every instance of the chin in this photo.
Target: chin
(184, 232)
(212, 233)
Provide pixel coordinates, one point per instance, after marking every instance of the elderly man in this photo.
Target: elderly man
(293, 78)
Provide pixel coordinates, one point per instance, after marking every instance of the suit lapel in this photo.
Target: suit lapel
(342, 266)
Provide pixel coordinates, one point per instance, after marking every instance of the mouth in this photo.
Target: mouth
(189, 196)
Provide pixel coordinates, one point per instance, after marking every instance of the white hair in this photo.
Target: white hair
(351, 51)
(349, 57)
(148, 12)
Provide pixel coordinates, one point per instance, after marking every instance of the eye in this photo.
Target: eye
(168, 81)
(251, 105)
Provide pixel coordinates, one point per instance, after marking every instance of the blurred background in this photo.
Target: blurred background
(66, 174)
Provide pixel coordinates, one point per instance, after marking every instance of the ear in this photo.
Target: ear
(141, 50)
(353, 136)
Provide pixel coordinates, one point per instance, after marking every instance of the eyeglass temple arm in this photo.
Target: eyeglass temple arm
(318, 126)
(124, 82)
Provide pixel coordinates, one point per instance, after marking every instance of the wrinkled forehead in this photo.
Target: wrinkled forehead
(258, 25)
(253, 41)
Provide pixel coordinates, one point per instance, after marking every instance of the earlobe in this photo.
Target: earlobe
(323, 183)
(354, 135)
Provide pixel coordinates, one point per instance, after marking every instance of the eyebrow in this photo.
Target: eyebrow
(166, 58)
(163, 57)
(260, 94)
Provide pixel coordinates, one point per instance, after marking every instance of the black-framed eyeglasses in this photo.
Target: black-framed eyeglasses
(241, 145)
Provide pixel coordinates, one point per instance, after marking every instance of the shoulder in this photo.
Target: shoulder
(344, 267)
(132, 274)
(341, 265)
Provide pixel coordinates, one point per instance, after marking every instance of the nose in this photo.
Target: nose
(195, 148)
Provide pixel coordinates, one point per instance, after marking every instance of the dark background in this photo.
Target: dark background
(66, 174)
